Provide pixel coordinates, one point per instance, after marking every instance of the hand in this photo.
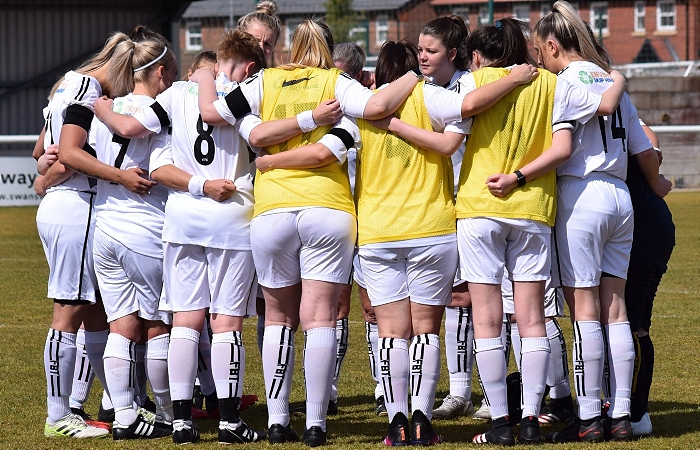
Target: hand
(51, 154)
(39, 186)
(263, 162)
(524, 73)
(219, 190)
(382, 124)
(663, 187)
(367, 79)
(500, 185)
(102, 106)
(202, 72)
(327, 113)
(135, 180)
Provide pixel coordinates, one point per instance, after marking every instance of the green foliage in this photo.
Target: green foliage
(341, 18)
(25, 315)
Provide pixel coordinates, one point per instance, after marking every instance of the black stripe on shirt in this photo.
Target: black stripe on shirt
(162, 115)
(344, 136)
(237, 103)
(79, 115)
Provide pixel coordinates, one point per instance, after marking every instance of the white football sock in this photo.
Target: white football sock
(319, 358)
(535, 362)
(95, 343)
(492, 373)
(459, 350)
(621, 353)
(588, 367)
(59, 364)
(394, 370)
(228, 364)
(120, 361)
(558, 372)
(83, 375)
(278, 367)
(157, 370)
(425, 372)
(341, 339)
(182, 362)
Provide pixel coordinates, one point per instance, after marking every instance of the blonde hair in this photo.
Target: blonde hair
(312, 46)
(129, 57)
(97, 60)
(565, 25)
(265, 14)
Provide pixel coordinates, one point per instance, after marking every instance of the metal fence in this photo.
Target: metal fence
(680, 145)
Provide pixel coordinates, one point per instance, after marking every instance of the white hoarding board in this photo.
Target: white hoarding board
(17, 175)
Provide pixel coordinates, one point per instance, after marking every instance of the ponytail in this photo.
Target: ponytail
(566, 26)
(502, 44)
(133, 62)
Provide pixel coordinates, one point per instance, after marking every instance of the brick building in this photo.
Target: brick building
(631, 30)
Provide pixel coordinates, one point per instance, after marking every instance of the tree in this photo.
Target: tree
(341, 18)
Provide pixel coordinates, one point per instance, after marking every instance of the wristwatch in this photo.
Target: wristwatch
(417, 73)
(521, 178)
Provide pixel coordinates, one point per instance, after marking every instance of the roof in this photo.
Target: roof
(225, 8)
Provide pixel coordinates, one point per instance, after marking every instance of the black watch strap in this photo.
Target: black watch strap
(521, 178)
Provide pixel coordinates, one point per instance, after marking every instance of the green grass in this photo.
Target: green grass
(25, 317)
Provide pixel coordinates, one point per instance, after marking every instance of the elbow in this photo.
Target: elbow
(256, 139)
(210, 116)
(376, 109)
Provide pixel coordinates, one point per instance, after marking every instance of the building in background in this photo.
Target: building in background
(203, 22)
(631, 31)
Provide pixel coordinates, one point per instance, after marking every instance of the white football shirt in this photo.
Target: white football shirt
(209, 152)
(136, 221)
(76, 89)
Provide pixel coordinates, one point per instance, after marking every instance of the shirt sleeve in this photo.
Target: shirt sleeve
(445, 107)
(157, 117)
(573, 104)
(342, 137)
(161, 152)
(246, 98)
(87, 95)
(245, 127)
(353, 97)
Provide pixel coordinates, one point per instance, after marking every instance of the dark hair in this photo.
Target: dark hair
(394, 60)
(503, 44)
(452, 31)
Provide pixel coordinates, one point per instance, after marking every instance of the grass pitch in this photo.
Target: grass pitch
(25, 315)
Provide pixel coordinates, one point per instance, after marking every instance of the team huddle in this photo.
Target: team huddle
(466, 183)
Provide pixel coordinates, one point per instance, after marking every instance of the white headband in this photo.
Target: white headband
(165, 50)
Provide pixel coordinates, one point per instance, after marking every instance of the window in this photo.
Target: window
(599, 17)
(359, 35)
(639, 14)
(483, 15)
(193, 36)
(522, 12)
(382, 25)
(289, 26)
(666, 15)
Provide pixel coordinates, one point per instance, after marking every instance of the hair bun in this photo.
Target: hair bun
(268, 7)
